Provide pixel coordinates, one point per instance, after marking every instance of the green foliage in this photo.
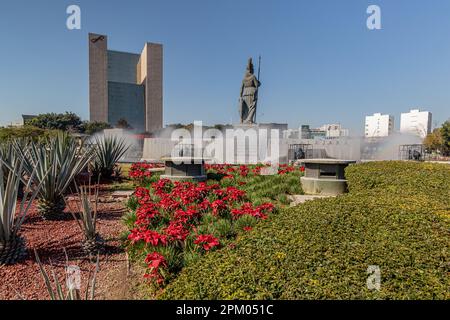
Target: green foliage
(439, 139)
(123, 124)
(11, 219)
(107, 152)
(93, 127)
(26, 132)
(57, 162)
(57, 121)
(12, 215)
(132, 203)
(445, 133)
(245, 221)
(396, 216)
(87, 208)
(263, 188)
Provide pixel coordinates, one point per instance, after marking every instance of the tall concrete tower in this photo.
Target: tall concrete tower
(126, 85)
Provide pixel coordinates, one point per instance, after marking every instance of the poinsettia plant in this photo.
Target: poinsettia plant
(174, 222)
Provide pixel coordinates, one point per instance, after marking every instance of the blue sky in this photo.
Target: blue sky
(320, 62)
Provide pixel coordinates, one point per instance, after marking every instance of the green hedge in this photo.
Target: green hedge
(396, 216)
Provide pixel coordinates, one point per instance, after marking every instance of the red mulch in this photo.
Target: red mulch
(24, 281)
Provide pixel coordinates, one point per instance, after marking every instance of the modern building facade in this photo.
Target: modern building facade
(379, 125)
(333, 131)
(416, 122)
(327, 131)
(126, 85)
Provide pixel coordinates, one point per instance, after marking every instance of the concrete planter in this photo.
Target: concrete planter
(184, 168)
(325, 176)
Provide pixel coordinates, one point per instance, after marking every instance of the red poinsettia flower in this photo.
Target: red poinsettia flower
(218, 206)
(207, 241)
(155, 261)
(148, 236)
(177, 231)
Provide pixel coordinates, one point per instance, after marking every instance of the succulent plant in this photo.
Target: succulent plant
(107, 152)
(57, 162)
(12, 245)
(87, 219)
(71, 292)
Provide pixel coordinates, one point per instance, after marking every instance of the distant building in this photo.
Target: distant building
(416, 122)
(305, 132)
(334, 131)
(291, 134)
(379, 125)
(327, 131)
(126, 85)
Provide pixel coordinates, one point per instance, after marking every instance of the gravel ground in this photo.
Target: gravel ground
(49, 238)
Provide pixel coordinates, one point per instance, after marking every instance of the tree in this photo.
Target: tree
(93, 127)
(29, 132)
(123, 124)
(439, 139)
(445, 132)
(433, 141)
(68, 121)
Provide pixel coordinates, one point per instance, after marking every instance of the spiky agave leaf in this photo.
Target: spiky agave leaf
(11, 244)
(108, 150)
(87, 221)
(57, 162)
(71, 294)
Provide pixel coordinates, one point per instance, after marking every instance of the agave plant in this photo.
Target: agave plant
(12, 245)
(87, 220)
(71, 292)
(107, 152)
(57, 162)
(8, 155)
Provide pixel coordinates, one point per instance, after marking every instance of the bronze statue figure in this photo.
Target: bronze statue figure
(249, 95)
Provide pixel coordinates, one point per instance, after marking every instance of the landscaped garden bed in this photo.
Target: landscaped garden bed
(396, 217)
(50, 238)
(52, 219)
(173, 224)
(234, 236)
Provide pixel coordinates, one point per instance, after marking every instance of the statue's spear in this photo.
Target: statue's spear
(257, 89)
(259, 66)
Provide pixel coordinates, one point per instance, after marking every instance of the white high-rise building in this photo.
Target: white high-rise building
(416, 122)
(379, 125)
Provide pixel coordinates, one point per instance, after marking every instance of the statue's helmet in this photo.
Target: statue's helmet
(250, 65)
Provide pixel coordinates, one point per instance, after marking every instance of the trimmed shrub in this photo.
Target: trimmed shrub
(396, 216)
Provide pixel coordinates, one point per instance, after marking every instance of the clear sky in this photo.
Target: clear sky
(320, 62)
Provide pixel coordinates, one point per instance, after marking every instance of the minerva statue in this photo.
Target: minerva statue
(249, 95)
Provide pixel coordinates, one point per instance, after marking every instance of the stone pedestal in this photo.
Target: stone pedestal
(246, 152)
